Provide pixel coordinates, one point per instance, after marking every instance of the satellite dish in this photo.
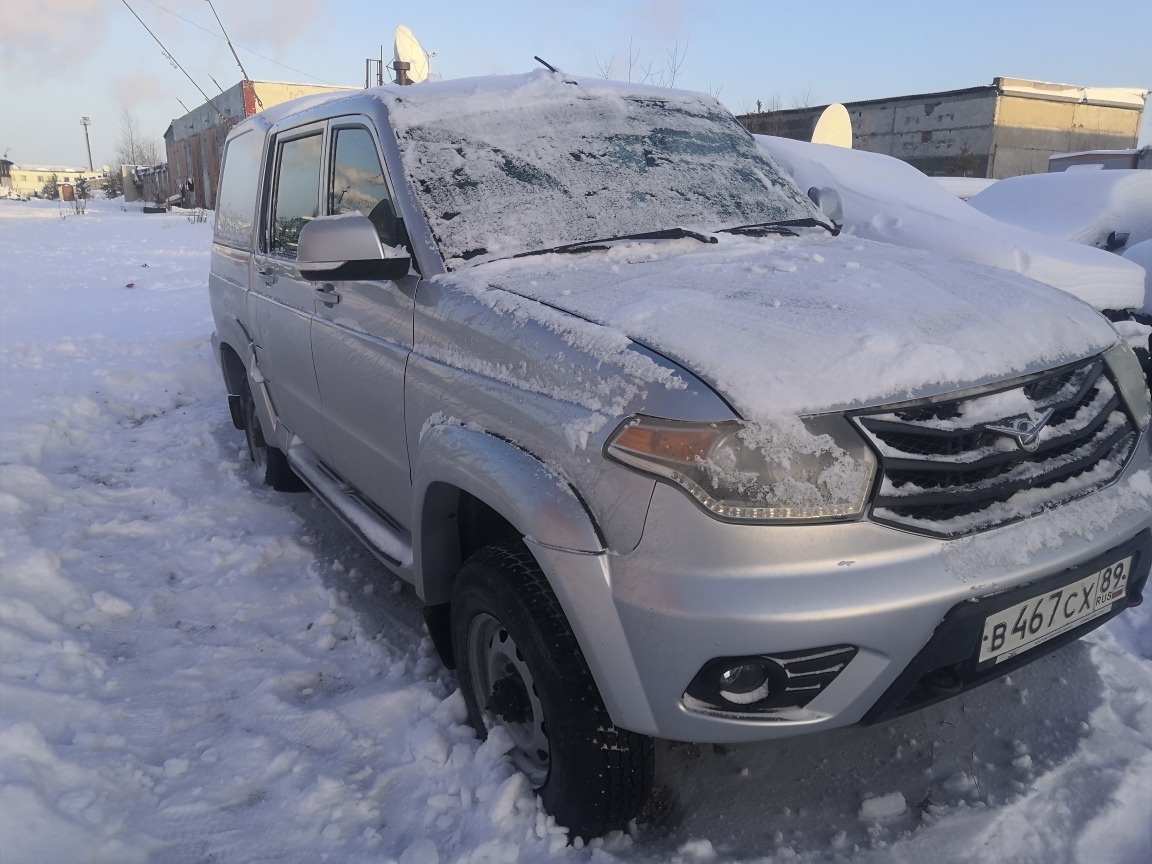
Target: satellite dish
(834, 127)
(410, 51)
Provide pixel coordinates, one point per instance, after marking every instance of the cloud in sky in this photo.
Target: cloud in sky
(50, 37)
(271, 26)
(140, 87)
(659, 19)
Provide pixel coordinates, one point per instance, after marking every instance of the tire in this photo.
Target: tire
(271, 463)
(520, 667)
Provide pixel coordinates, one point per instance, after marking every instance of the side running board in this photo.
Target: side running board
(388, 541)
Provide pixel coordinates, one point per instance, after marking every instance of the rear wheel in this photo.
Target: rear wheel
(271, 463)
(521, 668)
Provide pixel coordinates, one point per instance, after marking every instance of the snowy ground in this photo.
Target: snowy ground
(196, 669)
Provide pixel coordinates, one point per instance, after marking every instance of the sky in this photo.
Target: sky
(61, 60)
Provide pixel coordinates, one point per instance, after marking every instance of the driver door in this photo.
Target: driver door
(362, 334)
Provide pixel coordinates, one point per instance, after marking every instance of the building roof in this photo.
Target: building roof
(59, 169)
(1115, 97)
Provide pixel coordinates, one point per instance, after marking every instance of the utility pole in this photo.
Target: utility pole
(85, 122)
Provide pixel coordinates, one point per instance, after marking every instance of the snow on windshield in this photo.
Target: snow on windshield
(534, 162)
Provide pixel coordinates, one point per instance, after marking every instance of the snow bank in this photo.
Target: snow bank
(183, 676)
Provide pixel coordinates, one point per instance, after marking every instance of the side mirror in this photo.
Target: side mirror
(830, 204)
(1116, 241)
(345, 247)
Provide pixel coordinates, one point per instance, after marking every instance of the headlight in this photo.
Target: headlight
(789, 470)
(1130, 381)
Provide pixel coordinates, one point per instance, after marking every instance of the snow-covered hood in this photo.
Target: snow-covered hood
(802, 325)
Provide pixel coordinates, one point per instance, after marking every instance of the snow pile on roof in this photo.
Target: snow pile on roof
(1077, 205)
(890, 201)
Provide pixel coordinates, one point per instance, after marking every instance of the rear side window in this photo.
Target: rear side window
(297, 191)
(236, 203)
(357, 183)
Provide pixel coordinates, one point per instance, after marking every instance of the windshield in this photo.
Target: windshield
(550, 163)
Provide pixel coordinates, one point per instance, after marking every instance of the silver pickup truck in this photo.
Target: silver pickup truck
(662, 455)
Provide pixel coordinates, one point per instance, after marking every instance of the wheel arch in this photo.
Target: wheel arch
(233, 349)
(470, 484)
(233, 368)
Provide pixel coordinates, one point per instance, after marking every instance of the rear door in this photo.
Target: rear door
(363, 333)
(282, 301)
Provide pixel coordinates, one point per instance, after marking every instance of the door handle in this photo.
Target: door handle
(327, 294)
(267, 275)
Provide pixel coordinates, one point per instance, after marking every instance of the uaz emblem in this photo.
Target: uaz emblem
(1026, 434)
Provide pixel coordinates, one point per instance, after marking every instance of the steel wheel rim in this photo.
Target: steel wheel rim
(496, 663)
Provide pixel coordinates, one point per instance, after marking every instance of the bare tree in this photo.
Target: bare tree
(662, 74)
(133, 147)
(675, 61)
(803, 99)
(633, 56)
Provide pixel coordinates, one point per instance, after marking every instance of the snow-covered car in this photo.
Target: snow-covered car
(1141, 254)
(888, 200)
(663, 455)
(1110, 210)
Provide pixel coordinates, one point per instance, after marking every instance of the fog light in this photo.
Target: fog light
(744, 684)
(765, 684)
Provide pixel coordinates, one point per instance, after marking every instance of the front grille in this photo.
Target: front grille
(945, 471)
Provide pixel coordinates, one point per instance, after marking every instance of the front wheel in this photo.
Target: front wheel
(521, 668)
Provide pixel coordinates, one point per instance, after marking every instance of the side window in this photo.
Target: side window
(297, 191)
(236, 203)
(357, 182)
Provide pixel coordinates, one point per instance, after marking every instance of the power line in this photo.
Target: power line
(241, 47)
(243, 71)
(235, 56)
(174, 61)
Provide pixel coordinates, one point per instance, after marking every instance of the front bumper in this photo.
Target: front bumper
(696, 589)
(950, 663)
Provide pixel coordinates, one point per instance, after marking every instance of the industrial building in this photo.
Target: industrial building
(27, 181)
(1008, 127)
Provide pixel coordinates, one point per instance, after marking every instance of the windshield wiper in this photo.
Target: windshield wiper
(784, 227)
(599, 245)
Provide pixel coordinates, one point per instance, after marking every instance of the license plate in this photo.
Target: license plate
(1044, 616)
